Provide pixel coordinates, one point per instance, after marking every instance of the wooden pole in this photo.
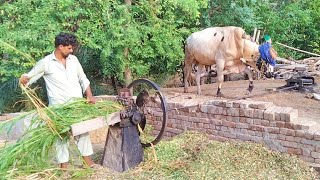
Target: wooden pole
(298, 49)
(258, 36)
(254, 34)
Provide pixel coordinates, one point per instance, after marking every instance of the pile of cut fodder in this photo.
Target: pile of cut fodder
(192, 155)
(33, 152)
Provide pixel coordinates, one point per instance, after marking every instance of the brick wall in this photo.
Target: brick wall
(279, 128)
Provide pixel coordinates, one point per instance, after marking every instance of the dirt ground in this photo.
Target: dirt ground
(307, 107)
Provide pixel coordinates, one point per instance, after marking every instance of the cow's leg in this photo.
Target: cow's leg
(249, 73)
(220, 67)
(187, 69)
(198, 78)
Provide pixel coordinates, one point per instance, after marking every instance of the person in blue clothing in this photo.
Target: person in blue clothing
(268, 56)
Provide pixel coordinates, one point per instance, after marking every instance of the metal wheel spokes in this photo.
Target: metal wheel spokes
(155, 110)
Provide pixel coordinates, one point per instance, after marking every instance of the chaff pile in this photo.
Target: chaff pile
(31, 152)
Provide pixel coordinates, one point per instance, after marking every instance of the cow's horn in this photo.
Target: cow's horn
(243, 60)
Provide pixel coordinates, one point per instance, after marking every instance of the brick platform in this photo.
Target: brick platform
(279, 128)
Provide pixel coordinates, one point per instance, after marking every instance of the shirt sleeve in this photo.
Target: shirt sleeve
(36, 72)
(83, 80)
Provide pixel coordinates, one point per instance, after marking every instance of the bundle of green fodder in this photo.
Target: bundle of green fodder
(31, 152)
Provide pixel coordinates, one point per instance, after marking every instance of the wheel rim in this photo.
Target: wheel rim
(163, 105)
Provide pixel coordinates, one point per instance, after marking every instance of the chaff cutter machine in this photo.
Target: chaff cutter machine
(123, 148)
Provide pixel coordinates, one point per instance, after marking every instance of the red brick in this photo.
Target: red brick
(294, 151)
(256, 128)
(265, 122)
(272, 130)
(268, 114)
(216, 122)
(315, 155)
(242, 125)
(217, 138)
(287, 132)
(307, 158)
(280, 124)
(288, 125)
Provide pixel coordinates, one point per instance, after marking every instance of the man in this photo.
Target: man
(64, 79)
(268, 55)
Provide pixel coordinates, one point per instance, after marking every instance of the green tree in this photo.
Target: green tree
(146, 37)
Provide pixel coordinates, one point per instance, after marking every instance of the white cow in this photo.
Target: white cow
(227, 47)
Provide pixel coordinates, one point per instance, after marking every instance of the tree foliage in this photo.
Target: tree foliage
(146, 36)
(153, 31)
(292, 22)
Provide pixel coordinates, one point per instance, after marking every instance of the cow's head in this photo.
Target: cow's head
(250, 53)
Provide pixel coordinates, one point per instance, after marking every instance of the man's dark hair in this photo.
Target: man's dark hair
(65, 39)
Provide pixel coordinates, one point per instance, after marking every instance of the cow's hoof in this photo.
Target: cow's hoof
(248, 93)
(185, 91)
(220, 95)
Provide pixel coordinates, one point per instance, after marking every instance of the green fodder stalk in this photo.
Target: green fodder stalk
(31, 153)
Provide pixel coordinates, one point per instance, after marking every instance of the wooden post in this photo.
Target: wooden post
(258, 36)
(254, 34)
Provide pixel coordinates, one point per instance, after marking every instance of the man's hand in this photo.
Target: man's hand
(24, 80)
(91, 99)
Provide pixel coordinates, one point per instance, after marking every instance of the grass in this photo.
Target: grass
(193, 156)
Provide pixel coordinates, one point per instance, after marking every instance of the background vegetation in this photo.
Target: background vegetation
(123, 40)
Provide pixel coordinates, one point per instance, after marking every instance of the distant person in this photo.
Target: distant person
(64, 79)
(268, 55)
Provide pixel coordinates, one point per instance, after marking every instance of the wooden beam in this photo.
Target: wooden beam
(298, 49)
(96, 123)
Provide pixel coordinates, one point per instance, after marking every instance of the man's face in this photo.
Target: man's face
(66, 50)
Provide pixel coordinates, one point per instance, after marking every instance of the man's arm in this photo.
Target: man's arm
(90, 97)
(36, 72)
(85, 84)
